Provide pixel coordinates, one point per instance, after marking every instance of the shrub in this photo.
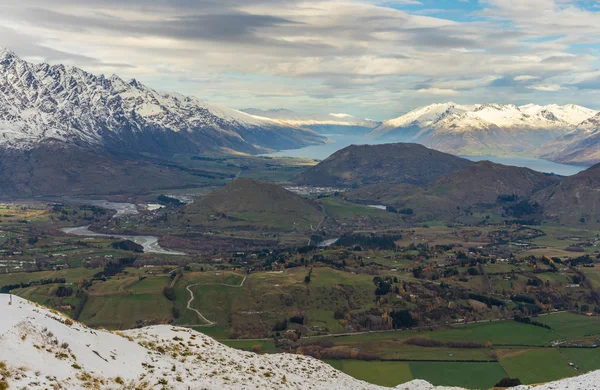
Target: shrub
(256, 348)
(508, 382)
(169, 293)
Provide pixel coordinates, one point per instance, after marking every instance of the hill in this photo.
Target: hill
(573, 201)
(248, 202)
(59, 170)
(42, 349)
(359, 165)
(479, 184)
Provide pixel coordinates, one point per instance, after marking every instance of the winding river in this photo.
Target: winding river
(149, 243)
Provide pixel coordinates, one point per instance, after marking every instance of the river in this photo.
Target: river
(340, 141)
(149, 243)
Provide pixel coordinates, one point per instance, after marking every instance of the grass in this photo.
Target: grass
(536, 365)
(587, 359)
(266, 346)
(266, 298)
(380, 373)
(124, 312)
(573, 326)
(498, 332)
(469, 375)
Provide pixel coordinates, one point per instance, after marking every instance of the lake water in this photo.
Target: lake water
(532, 163)
(338, 141)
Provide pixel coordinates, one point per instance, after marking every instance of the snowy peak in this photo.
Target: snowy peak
(569, 113)
(449, 116)
(6, 55)
(590, 125)
(41, 102)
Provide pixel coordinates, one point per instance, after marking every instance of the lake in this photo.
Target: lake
(340, 141)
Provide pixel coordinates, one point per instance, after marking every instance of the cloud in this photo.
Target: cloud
(546, 87)
(525, 77)
(438, 91)
(369, 56)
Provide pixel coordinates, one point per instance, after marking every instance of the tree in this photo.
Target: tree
(508, 382)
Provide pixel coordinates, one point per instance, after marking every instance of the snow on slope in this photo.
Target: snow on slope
(42, 349)
(570, 113)
(447, 117)
(424, 116)
(39, 102)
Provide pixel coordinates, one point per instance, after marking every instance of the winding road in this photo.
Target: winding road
(192, 297)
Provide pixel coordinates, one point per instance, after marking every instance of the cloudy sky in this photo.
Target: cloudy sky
(370, 58)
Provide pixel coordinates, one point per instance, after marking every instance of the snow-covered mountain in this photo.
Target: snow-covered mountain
(484, 128)
(41, 103)
(41, 349)
(581, 146)
(323, 124)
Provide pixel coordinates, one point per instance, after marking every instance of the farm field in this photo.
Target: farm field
(381, 373)
(586, 359)
(385, 373)
(269, 297)
(572, 326)
(535, 366)
(469, 375)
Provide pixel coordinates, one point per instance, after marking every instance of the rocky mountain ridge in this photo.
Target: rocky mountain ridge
(42, 102)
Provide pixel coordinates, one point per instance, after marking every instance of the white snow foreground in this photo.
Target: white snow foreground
(42, 349)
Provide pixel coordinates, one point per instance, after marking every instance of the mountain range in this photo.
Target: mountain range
(40, 349)
(40, 102)
(559, 133)
(54, 115)
(323, 124)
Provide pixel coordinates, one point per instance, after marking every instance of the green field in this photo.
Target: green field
(587, 359)
(386, 373)
(572, 326)
(469, 375)
(535, 366)
(380, 373)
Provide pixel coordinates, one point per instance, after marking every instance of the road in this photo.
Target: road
(200, 315)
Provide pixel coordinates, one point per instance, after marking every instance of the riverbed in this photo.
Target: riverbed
(149, 243)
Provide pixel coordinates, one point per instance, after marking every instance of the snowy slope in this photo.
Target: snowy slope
(581, 146)
(420, 118)
(504, 116)
(484, 128)
(41, 349)
(39, 102)
(570, 113)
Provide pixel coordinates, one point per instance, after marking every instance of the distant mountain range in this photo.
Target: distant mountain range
(559, 133)
(323, 124)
